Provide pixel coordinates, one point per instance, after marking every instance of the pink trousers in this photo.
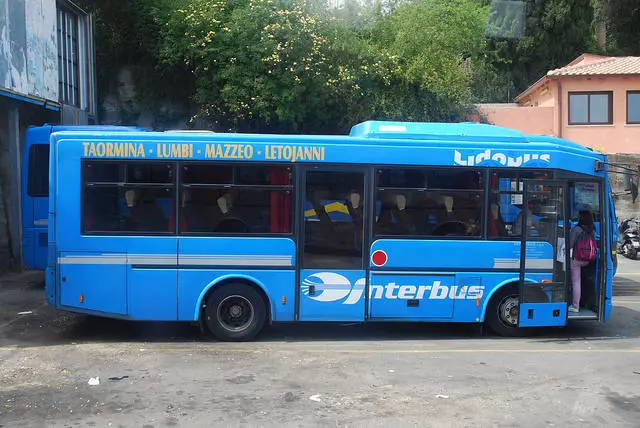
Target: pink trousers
(576, 271)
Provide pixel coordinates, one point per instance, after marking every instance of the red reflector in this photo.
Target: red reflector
(379, 258)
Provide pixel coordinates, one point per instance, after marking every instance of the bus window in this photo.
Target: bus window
(236, 199)
(335, 238)
(127, 197)
(429, 202)
(506, 199)
(38, 178)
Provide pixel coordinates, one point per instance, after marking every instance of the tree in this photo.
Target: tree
(555, 32)
(128, 35)
(621, 18)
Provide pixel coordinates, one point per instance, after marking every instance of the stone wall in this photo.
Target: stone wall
(621, 180)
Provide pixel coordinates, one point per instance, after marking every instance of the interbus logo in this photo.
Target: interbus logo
(331, 287)
(501, 158)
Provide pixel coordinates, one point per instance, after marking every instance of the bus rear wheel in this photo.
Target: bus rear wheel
(235, 312)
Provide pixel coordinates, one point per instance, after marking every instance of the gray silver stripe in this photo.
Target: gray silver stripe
(174, 260)
(529, 264)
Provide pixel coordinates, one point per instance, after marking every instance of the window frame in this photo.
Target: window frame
(518, 172)
(631, 122)
(588, 94)
(124, 163)
(76, 59)
(482, 191)
(258, 187)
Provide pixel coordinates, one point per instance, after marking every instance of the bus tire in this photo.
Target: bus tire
(235, 312)
(503, 311)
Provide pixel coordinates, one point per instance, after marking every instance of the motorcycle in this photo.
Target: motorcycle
(629, 238)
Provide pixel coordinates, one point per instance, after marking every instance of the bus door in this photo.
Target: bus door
(544, 267)
(332, 273)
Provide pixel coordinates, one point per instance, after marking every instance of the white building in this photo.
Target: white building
(47, 75)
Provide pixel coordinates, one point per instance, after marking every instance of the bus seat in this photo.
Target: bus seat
(145, 213)
(496, 225)
(337, 210)
(354, 199)
(310, 213)
(225, 203)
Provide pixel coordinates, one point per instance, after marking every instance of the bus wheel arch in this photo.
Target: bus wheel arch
(501, 311)
(234, 308)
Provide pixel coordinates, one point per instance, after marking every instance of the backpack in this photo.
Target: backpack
(585, 248)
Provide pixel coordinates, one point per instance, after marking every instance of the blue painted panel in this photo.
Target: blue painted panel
(39, 249)
(332, 295)
(434, 294)
(543, 314)
(104, 286)
(237, 251)
(153, 294)
(193, 285)
(50, 290)
(473, 150)
(449, 254)
(28, 247)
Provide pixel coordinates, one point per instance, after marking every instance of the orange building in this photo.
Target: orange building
(594, 101)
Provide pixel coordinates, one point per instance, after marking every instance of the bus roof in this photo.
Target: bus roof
(465, 131)
(368, 133)
(101, 128)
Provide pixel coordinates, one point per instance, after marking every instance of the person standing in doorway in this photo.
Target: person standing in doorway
(585, 227)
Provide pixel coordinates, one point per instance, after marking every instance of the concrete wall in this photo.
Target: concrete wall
(28, 48)
(530, 120)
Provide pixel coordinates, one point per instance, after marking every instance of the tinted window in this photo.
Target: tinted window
(128, 197)
(38, 178)
(506, 201)
(333, 216)
(236, 199)
(429, 202)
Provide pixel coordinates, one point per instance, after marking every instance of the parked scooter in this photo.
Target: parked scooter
(629, 238)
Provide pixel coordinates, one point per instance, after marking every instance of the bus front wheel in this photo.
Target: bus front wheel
(235, 312)
(503, 312)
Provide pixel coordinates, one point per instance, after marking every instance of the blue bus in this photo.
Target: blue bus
(397, 221)
(35, 189)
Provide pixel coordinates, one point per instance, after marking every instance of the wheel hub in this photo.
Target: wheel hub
(235, 311)
(509, 311)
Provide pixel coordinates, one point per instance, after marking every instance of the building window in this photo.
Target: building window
(590, 108)
(633, 106)
(128, 197)
(238, 199)
(75, 57)
(429, 202)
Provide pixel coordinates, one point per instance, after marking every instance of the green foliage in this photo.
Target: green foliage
(303, 66)
(273, 65)
(555, 32)
(622, 19)
(127, 35)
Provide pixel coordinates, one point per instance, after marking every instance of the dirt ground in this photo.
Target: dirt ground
(162, 374)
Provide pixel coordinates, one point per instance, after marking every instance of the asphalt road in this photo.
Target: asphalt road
(159, 374)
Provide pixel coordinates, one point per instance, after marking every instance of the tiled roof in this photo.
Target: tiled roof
(600, 66)
(589, 65)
